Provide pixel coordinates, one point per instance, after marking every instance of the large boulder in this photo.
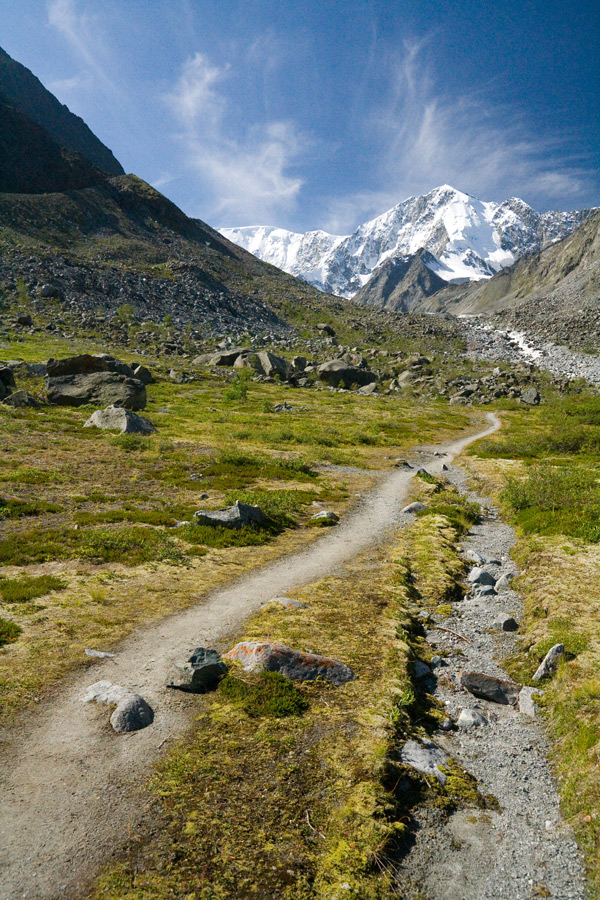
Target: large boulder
(131, 714)
(262, 656)
(272, 365)
(337, 371)
(531, 396)
(232, 517)
(221, 357)
(86, 363)
(7, 376)
(198, 673)
(115, 418)
(99, 388)
(143, 374)
(490, 687)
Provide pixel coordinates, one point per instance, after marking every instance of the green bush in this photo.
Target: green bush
(13, 508)
(238, 389)
(9, 631)
(22, 590)
(269, 695)
(129, 442)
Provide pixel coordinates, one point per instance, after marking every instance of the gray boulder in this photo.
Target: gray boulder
(248, 361)
(531, 396)
(420, 669)
(220, 358)
(425, 757)
(503, 583)
(337, 371)
(115, 418)
(98, 388)
(21, 399)
(132, 713)
(478, 575)
(326, 329)
(527, 704)
(489, 687)
(85, 364)
(288, 603)
(198, 673)
(325, 517)
(504, 622)
(368, 389)
(471, 718)
(262, 656)
(7, 376)
(550, 662)
(143, 374)
(272, 365)
(415, 507)
(474, 557)
(232, 517)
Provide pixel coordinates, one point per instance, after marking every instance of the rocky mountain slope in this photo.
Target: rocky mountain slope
(71, 234)
(45, 166)
(401, 284)
(21, 89)
(468, 240)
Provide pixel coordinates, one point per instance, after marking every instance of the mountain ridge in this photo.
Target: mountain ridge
(21, 89)
(469, 239)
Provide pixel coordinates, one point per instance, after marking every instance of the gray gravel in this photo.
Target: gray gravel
(488, 342)
(527, 849)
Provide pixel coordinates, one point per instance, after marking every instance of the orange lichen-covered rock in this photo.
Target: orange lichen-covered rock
(262, 656)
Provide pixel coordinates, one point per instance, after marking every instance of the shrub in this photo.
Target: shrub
(269, 695)
(21, 590)
(9, 631)
(238, 389)
(129, 442)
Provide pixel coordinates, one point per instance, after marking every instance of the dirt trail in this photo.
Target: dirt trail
(70, 788)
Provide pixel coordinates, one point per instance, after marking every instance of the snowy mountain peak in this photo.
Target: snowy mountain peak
(468, 240)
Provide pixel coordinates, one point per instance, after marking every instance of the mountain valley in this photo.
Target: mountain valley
(299, 543)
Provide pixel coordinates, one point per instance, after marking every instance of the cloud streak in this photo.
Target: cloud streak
(244, 170)
(82, 33)
(479, 144)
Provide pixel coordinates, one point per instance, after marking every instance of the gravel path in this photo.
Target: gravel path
(526, 850)
(70, 789)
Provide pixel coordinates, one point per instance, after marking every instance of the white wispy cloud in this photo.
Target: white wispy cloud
(245, 169)
(476, 142)
(82, 31)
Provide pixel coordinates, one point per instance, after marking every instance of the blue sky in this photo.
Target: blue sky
(322, 114)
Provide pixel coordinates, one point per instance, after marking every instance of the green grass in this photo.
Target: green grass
(268, 694)
(13, 508)
(9, 631)
(22, 590)
(131, 546)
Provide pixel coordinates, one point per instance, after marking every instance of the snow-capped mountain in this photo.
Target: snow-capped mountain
(467, 239)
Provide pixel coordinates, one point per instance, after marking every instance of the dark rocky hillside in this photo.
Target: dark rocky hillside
(31, 162)
(20, 88)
